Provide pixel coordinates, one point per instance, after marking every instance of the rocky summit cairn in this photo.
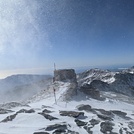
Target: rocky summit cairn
(67, 75)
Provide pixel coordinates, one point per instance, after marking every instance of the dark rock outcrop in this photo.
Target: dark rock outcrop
(103, 80)
(131, 125)
(88, 129)
(106, 127)
(86, 108)
(104, 112)
(5, 111)
(104, 117)
(25, 111)
(80, 123)
(65, 75)
(94, 122)
(46, 111)
(71, 114)
(56, 126)
(9, 118)
(59, 131)
(119, 113)
(40, 133)
(47, 116)
(91, 91)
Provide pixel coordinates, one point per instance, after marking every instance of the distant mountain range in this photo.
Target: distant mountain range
(20, 87)
(104, 80)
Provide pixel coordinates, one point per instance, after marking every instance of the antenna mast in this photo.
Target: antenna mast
(54, 67)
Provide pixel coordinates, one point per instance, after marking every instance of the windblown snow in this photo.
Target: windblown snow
(118, 114)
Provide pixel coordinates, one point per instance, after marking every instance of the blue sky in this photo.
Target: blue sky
(35, 34)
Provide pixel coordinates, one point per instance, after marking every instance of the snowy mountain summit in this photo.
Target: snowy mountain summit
(88, 104)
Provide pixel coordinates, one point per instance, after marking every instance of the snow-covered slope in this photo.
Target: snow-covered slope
(80, 115)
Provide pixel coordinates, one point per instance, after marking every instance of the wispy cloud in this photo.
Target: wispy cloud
(19, 26)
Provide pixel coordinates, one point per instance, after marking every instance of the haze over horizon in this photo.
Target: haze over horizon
(35, 34)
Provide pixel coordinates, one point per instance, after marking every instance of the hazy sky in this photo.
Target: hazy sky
(72, 33)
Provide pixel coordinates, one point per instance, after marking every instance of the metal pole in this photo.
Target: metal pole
(55, 96)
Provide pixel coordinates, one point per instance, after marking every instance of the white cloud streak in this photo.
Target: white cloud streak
(19, 27)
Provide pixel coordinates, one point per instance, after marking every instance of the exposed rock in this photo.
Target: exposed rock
(40, 133)
(44, 106)
(119, 113)
(88, 129)
(65, 75)
(46, 111)
(98, 84)
(86, 108)
(94, 122)
(104, 112)
(125, 131)
(71, 114)
(49, 117)
(104, 117)
(25, 111)
(71, 132)
(80, 123)
(91, 91)
(59, 131)
(56, 126)
(5, 111)
(103, 80)
(9, 118)
(106, 127)
(131, 125)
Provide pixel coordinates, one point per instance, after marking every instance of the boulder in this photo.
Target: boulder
(131, 125)
(94, 122)
(119, 113)
(104, 117)
(71, 114)
(104, 112)
(46, 111)
(86, 108)
(56, 126)
(59, 131)
(71, 132)
(47, 116)
(88, 129)
(80, 123)
(25, 111)
(106, 127)
(40, 133)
